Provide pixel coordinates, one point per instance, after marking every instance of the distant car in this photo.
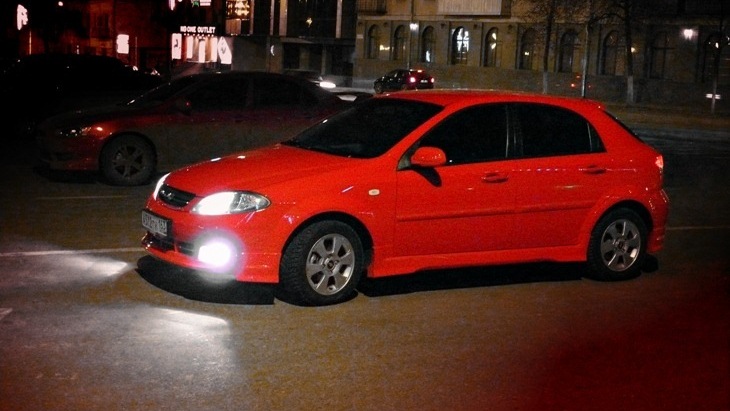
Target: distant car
(40, 85)
(189, 119)
(404, 79)
(312, 76)
(412, 181)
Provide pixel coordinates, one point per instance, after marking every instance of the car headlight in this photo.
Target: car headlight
(159, 184)
(327, 84)
(231, 202)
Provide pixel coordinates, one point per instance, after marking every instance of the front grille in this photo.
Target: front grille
(168, 244)
(174, 197)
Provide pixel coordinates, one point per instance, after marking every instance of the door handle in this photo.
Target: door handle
(593, 169)
(494, 177)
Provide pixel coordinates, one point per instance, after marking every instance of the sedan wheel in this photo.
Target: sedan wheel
(617, 246)
(378, 88)
(127, 161)
(322, 264)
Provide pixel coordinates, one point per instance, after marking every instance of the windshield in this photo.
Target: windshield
(367, 129)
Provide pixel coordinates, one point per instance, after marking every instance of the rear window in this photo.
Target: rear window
(544, 130)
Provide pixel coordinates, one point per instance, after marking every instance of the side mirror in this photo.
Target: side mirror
(183, 105)
(428, 157)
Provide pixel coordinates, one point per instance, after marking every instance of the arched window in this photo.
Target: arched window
(428, 44)
(399, 43)
(527, 50)
(492, 52)
(460, 46)
(715, 46)
(610, 54)
(567, 51)
(658, 55)
(373, 45)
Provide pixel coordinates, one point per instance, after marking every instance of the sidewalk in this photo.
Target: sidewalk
(673, 121)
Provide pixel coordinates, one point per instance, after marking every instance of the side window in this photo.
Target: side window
(472, 135)
(276, 92)
(221, 95)
(551, 131)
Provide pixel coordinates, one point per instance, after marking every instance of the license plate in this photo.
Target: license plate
(156, 225)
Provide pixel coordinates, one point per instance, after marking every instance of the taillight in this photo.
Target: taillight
(659, 163)
(411, 79)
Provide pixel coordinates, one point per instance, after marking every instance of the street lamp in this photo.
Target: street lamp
(412, 26)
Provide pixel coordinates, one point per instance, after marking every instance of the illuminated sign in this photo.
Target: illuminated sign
(224, 51)
(21, 16)
(197, 29)
(123, 44)
(176, 46)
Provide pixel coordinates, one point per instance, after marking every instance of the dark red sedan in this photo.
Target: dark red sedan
(404, 79)
(189, 119)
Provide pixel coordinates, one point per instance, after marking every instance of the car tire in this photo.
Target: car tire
(617, 247)
(127, 161)
(321, 265)
(378, 88)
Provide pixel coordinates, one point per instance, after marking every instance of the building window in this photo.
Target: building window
(567, 51)
(101, 26)
(492, 52)
(527, 50)
(399, 43)
(610, 54)
(373, 45)
(716, 46)
(658, 56)
(460, 46)
(428, 44)
(372, 6)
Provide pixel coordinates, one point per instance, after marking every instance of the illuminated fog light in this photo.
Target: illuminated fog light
(217, 253)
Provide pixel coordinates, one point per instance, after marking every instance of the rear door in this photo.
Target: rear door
(210, 127)
(280, 109)
(561, 172)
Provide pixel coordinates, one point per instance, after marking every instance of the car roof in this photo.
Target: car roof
(202, 77)
(243, 73)
(446, 97)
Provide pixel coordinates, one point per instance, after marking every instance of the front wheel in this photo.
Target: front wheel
(322, 264)
(127, 161)
(378, 88)
(617, 247)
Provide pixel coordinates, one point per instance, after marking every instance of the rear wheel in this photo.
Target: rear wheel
(617, 247)
(322, 264)
(128, 161)
(378, 88)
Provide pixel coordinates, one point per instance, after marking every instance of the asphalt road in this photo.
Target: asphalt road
(89, 322)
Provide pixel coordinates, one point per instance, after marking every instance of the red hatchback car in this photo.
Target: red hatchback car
(415, 181)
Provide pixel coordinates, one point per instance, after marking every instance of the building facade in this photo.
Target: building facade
(680, 48)
(272, 35)
(502, 44)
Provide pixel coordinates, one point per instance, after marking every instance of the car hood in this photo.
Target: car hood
(255, 169)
